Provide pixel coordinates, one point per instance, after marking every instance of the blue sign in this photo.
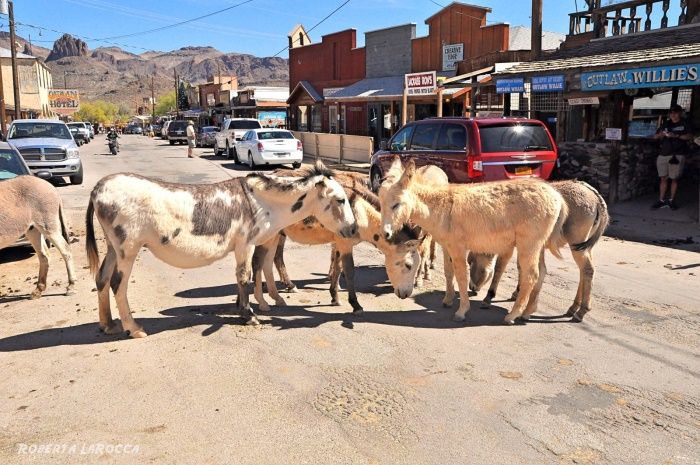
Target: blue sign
(553, 83)
(636, 78)
(510, 86)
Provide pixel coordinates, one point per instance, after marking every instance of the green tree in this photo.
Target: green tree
(165, 104)
(183, 102)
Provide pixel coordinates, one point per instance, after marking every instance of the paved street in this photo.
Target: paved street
(401, 385)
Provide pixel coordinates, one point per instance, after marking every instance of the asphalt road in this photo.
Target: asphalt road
(313, 385)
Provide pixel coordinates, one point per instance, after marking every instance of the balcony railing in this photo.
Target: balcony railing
(626, 17)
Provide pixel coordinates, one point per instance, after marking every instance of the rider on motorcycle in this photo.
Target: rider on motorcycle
(112, 136)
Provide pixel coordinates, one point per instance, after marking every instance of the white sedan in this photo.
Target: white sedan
(269, 147)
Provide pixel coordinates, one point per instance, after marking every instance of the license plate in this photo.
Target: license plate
(523, 171)
(281, 154)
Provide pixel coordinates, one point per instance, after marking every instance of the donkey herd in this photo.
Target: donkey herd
(478, 227)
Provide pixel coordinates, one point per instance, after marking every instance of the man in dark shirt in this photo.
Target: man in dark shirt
(674, 135)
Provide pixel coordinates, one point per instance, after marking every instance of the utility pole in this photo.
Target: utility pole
(177, 97)
(536, 32)
(13, 51)
(153, 103)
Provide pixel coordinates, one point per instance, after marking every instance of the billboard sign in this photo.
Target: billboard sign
(637, 78)
(64, 101)
(510, 86)
(421, 83)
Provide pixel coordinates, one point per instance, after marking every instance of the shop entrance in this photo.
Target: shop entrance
(379, 122)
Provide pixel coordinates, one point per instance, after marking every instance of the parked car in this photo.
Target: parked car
(472, 150)
(268, 147)
(47, 145)
(164, 130)
(138, 130)
(206, 136)
(177, 131)
(80, 133)
(90, 129)
(232, 130)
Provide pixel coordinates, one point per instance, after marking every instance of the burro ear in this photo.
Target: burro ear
(408, 174)
(413, 243)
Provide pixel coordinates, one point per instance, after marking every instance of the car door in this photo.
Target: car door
(451, 151)
(422, 148)
(242, 147)
(397, 147)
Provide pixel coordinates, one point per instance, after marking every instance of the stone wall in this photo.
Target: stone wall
(590, 162)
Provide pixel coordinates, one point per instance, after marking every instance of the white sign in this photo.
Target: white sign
(421, 83)
(584, 101)
(451, 54)
(613, 134)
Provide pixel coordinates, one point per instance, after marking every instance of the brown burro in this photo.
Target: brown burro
(586, 220)
(33, 207)
(193, 225)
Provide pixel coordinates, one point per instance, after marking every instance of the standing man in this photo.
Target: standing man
(191, 139)
(674, 134)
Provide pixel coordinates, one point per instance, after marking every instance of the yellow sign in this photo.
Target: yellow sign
(64, 101)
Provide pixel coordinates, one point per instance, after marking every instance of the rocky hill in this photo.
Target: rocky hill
(119, 76)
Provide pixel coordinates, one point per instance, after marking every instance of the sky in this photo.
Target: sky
(258, 27)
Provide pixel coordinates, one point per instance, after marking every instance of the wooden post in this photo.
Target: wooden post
(465, 112)
(318, 150)
(439, 102)
(341, 155)
(536, 31)
(404, 107)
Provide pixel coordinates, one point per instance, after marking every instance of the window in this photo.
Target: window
(424, 136)
(244, 124)
(302, 114)
(400, 141)
(452, 137)
(301, 38)
(275, 135)
(316, 118)
(514, 138)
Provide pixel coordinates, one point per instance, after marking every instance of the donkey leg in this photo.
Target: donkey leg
(579, 290)
(428, 257)
(119, 282)
(461, 270)
(433, 244)
(259, 256)
(535, 294)
(57, 239)
(529, 274)
(500, 268)
(281, 267)
(102, 280)
(585, 264)
(349, 271)
(449, 271)
(244, 258)
(335, 276)
(267, 265)
(39, 245)
(418, 280)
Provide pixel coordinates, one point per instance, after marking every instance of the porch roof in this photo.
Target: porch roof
(305, 86)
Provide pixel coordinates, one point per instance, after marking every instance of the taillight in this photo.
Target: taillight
(475, 167)
(261, 148)
(299, 146)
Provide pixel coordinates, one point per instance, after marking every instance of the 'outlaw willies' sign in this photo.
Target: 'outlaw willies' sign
(658, 76)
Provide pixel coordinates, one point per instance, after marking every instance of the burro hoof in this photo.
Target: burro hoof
(139, 333)
(35, 294)
(457, 317)
(508, 322)
(486, 304)
(447, 302)
(525, 317)
(576, 318)
(358, 312)
(293, 290)
(113, 328)
(253, 321)
(335, 303)
(264, 307)
(281, 303)
(70, 291)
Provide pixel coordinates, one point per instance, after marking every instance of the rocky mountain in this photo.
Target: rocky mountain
(122, 77)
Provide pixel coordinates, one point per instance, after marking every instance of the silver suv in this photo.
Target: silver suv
(47, 145)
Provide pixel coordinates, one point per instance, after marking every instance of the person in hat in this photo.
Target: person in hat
(191, 138)
(674, 135)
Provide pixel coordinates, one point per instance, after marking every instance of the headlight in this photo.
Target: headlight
(73, 153)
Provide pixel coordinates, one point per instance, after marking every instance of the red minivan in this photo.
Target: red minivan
(472, 149)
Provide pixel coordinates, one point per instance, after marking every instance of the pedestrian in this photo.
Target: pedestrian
(191, 139)
(674, 135)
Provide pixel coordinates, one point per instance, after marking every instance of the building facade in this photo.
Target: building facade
(34, 82)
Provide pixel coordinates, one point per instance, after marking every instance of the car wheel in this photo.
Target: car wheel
(235, 156)
(251, 162)
(77, 178)
(172, 142)
(296, 165)
(375, 179)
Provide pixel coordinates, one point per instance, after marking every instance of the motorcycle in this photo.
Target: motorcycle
(113, 145)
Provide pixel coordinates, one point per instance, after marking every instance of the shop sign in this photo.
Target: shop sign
(613, 134)
(510, 86)
(554, 83)
(272, 119)
(421, 83)
(64, 101)
(636, 78)
(451, 54)
(584, 101)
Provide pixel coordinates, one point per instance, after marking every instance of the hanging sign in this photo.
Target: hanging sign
(510, 86)
(584, 101)
(64, 101)
(636, 78)
(554, 83)
(451, 54)
(613, 134)
(421, 83)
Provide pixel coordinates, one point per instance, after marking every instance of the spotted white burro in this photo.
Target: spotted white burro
(193, 225)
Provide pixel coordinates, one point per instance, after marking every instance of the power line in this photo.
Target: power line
(162, 28)
(316, 25)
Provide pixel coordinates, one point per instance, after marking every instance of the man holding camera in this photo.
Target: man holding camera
(674, 135)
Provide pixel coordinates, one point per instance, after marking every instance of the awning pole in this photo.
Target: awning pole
(404, 107)
(439, 102)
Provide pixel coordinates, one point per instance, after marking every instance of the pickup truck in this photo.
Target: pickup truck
(232, 130)
(47, 145)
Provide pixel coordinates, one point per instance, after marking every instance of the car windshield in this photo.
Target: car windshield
(266, 135)
(10, 165)
(210, 129)
(76, 125)
(177, 126)
(244, 124)
(39, 129)
(514, 138)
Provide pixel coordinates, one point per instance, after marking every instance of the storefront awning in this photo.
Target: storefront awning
(465, 79)
(383, 88)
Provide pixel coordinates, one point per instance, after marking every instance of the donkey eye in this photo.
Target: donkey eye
(341, 201)
(408, 267)
(395, 206)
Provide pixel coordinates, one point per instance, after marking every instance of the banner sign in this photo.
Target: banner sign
(636, 78)
(554, 83)
(584, 101)
(451, 54)
(421, 83)
(64, 101)
(510, 86)
(272, 119)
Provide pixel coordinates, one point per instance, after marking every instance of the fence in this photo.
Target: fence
(338, 148)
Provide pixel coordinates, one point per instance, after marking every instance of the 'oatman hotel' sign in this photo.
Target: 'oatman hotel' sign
(659, 76)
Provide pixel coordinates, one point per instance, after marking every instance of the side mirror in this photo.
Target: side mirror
(384, 144)
(45, 175)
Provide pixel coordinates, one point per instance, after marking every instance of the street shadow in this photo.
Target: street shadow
(16, 254)
(685, 267)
